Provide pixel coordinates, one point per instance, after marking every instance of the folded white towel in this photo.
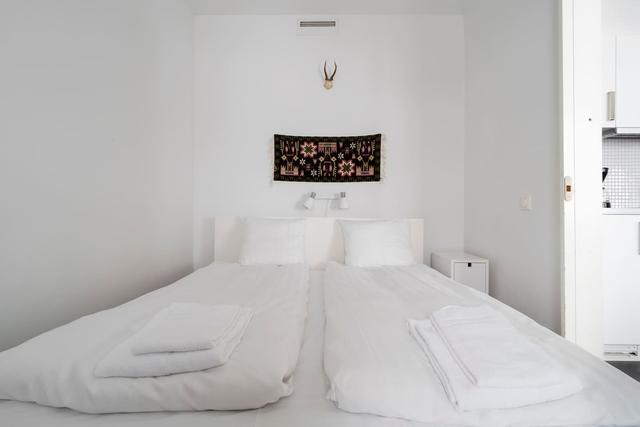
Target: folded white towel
(188, 327)
(491, 352)
(466, 395)
(122, 362)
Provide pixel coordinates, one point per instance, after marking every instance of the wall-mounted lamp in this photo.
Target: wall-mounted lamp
(342, 197)
(344, 203)
(308, 204)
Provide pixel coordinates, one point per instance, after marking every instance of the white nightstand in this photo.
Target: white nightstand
(465, 268)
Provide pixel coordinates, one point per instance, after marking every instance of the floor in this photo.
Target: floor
(630, 368)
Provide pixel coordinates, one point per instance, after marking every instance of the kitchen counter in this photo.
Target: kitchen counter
(621, 211)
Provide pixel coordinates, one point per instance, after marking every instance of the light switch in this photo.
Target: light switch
(526, 203)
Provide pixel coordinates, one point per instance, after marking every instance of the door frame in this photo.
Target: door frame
(582, 160)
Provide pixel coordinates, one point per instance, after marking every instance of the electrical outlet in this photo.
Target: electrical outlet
(526, 203)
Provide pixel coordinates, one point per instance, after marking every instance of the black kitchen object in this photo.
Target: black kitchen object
(606, 203)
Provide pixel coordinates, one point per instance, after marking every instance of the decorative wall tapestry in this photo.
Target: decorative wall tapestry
(327, 158)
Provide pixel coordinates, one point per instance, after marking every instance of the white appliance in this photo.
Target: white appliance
(621, 286)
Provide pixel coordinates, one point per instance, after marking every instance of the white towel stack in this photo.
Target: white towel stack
(179, 338)
(483, 362)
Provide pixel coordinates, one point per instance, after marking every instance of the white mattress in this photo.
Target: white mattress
(306, 407)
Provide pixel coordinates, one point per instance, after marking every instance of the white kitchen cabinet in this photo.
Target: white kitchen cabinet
(626, 103)
(621, 281)
(608, 79)
(464, 268)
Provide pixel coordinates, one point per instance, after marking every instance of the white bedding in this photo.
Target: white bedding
(57, 368)
(307, 406)
(375, 366)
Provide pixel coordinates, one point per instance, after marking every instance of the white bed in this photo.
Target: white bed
(375, 366)
(57, 368)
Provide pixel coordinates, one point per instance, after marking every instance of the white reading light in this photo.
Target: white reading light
(308, 204)
(344, 204)
(341, 198)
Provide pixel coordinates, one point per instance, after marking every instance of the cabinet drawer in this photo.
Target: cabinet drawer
(473, 274)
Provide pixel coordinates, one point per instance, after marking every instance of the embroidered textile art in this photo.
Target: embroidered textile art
(327, 158)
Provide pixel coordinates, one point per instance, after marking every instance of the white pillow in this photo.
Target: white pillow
(273, 241)
(377, 243)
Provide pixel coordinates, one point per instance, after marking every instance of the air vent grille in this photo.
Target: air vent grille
(317, 24)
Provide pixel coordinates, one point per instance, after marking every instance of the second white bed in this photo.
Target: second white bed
(375, 366)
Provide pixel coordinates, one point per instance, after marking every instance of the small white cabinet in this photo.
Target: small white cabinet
(464, 268)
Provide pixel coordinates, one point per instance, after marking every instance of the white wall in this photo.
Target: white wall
(358, 7)
(95, 156)
(512, 148)
(400, 75)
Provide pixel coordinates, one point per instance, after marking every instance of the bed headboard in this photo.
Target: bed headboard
(323, 239)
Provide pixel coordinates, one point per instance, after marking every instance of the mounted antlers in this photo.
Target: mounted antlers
(328, 81)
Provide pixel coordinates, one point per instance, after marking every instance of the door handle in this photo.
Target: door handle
(568, 188)
(611, 105)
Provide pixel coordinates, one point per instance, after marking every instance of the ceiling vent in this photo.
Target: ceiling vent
(317, 27)
(317, 24)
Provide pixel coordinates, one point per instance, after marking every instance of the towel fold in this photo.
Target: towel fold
(212, 343)
(188, 327)
(483, 362)
(490, 351)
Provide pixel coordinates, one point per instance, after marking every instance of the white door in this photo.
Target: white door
(582, 160)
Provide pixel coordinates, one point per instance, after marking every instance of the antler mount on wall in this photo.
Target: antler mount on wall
(328, 81)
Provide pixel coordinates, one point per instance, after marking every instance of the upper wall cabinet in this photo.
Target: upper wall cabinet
(623, 105)
(627, 114)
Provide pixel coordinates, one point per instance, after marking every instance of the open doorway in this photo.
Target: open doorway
(621, 181)
(601, 134)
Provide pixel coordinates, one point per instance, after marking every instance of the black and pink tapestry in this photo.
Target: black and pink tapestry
(327, 158)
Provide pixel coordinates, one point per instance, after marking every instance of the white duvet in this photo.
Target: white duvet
(57, 367)
(375, 366)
